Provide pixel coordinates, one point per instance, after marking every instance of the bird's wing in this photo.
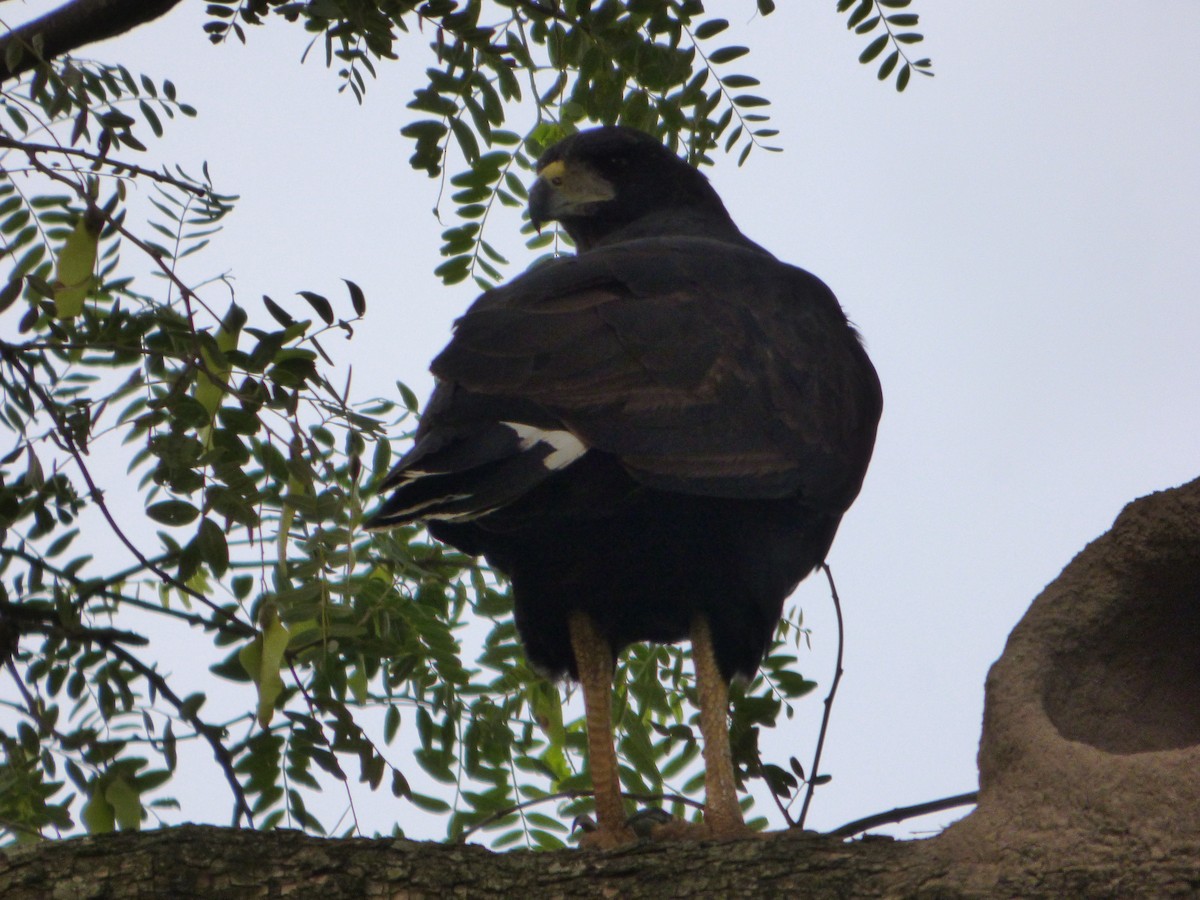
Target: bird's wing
(704, 367)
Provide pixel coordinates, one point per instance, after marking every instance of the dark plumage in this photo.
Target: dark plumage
(662, 430)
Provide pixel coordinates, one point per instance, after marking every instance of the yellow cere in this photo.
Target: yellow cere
(553, 172)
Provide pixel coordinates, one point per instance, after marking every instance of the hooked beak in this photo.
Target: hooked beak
(541, 203)
(561, 192)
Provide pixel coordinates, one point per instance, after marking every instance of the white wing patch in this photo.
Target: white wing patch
(566, 447)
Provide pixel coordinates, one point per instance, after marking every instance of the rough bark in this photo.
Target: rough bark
(218, 863)
(74, 25)
(1090, 785)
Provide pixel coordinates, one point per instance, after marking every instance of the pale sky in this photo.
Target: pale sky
(1016, 239)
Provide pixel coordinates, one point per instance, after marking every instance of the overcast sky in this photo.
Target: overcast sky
(1016, 239)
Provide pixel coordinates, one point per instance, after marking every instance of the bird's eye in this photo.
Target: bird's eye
(556, 181)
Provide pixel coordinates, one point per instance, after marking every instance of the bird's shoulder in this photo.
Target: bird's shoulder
(647, 267)
(693, 294)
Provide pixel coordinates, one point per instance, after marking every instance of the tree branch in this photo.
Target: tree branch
(71, 26)
(210, 733)
(900, 813)
(116, 165)
(97, 495)
(815, 773)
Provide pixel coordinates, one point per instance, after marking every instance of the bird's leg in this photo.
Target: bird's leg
(722, 814)
(594, 663)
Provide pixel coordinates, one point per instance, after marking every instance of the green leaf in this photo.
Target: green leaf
(727, 54)
(400, 786)
(466, 139)
(262, 658)
(214, 550)
(357, 682)
(12, 56)
(75, 264)
(873, 49)
(61, 543)
(210, 381)
(10, 293)
(278, 313)
(411, 403)
(323, 307)
(191, 705)
(358, 299)
(889, 64)
(126, 804)
(98, 815)
(172, 512)
(151, 117)
(865, 8)
(710, 28)
(454, 270)
(427, 803)
(275, 642)
(739, 81)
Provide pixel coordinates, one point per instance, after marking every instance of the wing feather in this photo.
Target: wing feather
(705, 367)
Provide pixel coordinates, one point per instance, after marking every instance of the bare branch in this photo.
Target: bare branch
(97, 495)
(900, 813)
(814, 773)
(116, 165)
(210, 733)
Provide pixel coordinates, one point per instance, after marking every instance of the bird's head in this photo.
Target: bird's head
(615, 183)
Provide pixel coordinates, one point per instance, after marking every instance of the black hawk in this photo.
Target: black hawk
(654, 439)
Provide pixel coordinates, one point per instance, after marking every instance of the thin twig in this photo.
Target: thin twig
(814, 772)
(900, 813)
(208, 732)
(97, 495)
(783, 810)
(118, 165)
(185, 292)
(112, 640)
(27, 619)
(104, 588)
(339, 712)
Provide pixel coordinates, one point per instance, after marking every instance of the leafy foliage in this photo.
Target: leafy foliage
(866, 16)
(248, 468)
(657, 66)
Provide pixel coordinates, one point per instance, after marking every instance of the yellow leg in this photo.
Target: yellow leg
(722, 814)
(594, 661)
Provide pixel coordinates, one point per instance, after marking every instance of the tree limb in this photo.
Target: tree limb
(900, 813)
(74, 25)
(224, 864)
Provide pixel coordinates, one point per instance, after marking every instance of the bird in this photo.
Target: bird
(654, 439)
